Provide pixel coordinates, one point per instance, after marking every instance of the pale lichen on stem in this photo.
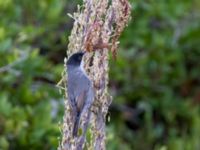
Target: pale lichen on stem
(97, 27)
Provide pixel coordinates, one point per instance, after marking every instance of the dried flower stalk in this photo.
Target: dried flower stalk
(97, 27)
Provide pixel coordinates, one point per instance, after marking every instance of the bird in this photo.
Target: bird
(80, 89)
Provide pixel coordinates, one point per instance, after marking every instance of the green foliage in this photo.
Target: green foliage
(156, 76)
(29, 101)
(158, 73)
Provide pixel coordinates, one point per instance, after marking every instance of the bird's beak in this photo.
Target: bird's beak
(83, 52)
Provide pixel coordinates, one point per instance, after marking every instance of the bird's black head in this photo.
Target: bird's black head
(75, 59)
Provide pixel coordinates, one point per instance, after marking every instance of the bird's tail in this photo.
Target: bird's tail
(76, 126)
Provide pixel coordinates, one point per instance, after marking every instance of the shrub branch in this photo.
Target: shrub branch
(97, 27)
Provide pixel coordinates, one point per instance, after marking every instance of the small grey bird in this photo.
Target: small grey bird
(80, 89)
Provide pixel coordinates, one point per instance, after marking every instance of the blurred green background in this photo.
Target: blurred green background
(155, 81)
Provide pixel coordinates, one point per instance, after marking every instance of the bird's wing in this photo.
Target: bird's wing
(77, 89)
(80, 100)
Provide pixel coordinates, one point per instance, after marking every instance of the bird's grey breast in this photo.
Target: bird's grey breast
(78, 82)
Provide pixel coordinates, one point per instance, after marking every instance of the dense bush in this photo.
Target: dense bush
(32, 48)
(154, 81)
(157, 77)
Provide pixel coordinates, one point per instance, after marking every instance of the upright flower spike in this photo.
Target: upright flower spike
(96, 29)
